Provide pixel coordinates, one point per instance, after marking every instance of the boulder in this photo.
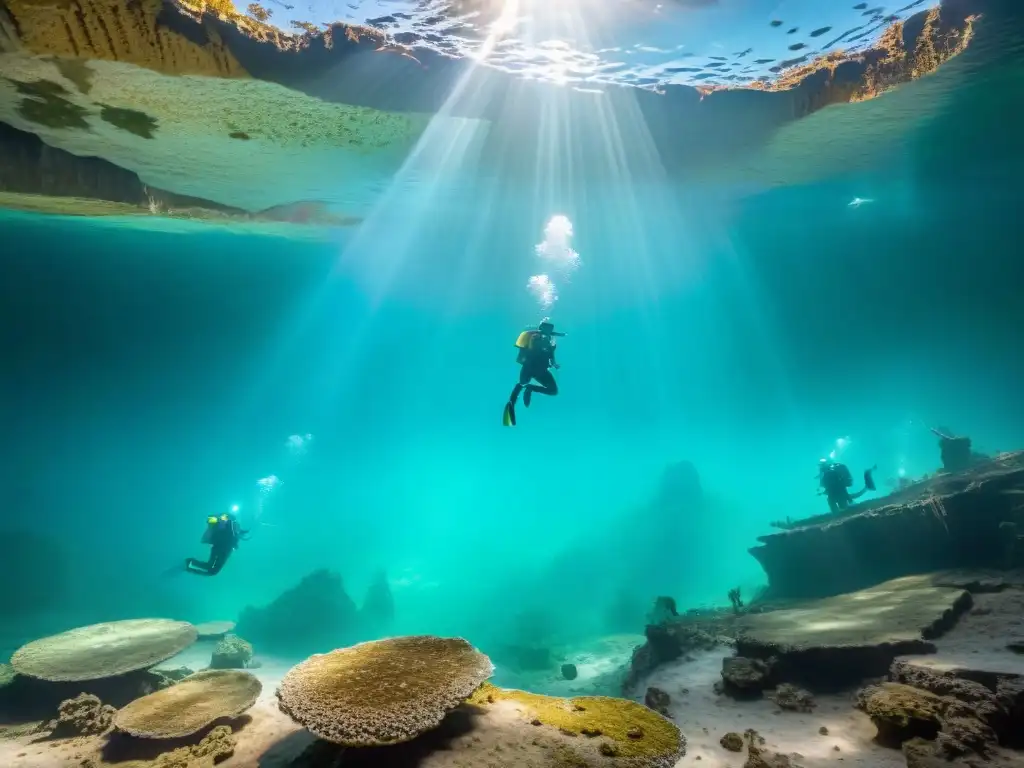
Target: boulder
(231, 652)
(84, 715)
(745, 677)
(314, 616)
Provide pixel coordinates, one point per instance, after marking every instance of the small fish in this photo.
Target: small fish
(857, 202)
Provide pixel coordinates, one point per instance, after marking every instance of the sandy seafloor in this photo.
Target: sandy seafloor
(271, 740)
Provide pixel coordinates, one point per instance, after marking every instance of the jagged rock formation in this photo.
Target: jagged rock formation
(378, 610)
(97, 77)
(950, 521)
(314, 616)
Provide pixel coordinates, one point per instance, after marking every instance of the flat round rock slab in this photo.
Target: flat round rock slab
(191, 705)
(103, 650)
(213, 629)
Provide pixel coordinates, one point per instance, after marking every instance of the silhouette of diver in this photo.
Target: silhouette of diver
(536, 356)
(222, 534)
(835, 481)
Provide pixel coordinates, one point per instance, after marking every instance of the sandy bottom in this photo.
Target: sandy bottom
(704, 717)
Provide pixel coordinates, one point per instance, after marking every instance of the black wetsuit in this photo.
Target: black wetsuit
(536, 360)
(836, 481)
(223, 539)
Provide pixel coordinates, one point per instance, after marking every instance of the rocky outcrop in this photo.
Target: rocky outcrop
(315, 616)
(950, 521)
(667, 641)
(378, 610)
(83, 715)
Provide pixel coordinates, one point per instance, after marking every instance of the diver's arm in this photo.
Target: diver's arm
(554, 364)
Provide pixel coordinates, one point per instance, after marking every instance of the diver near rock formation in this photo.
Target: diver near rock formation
(222, 534)
(536, 356)
(835, 480)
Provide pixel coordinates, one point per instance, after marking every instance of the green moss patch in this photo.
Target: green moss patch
(130, 120)
(77, 71)
(635, 730)
(44, 104)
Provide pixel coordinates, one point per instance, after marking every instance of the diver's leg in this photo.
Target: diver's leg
(524, 379)
(217, 561)
(546, 385)
(833, 505)
(199, 567)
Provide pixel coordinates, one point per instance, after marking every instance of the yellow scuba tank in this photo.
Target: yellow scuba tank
(525, 339)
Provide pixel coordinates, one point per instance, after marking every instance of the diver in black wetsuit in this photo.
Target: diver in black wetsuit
(536, 356)
(222, 534)
(835, 481)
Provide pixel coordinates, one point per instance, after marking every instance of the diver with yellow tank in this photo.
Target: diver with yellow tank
(222, 534)
(536, 356)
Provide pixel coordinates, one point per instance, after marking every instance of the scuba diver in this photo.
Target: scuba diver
(222, 534)
(835, 480)
(536, 356)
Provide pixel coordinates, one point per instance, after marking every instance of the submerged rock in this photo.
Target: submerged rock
(745, 677)
(314, 616)
(793, 699)
(658, 700)
(232, 652)
(82, 716)
(732, 741)
(378, 611)
(950, 521)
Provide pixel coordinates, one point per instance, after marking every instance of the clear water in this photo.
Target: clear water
(153, 378)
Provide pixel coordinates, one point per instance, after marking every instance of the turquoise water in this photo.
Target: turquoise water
(151, 379)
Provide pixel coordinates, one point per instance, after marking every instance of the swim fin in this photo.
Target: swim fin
(508, 418)
(869, 481)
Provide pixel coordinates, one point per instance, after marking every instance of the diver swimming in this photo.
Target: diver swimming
(222, 534)
(835, 480)
(536, 357)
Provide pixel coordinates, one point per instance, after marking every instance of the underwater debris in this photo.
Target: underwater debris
(384, 691)
(103, 650)
(189, 706)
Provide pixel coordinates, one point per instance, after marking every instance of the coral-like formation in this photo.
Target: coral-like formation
(83, 715)
(732, 741)
(189, 706)
(384, 691)
(634, 731)
(315, 615)
(793, 699)
(103, 650)
(745, 677)
(218, 745)
(231, 652)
